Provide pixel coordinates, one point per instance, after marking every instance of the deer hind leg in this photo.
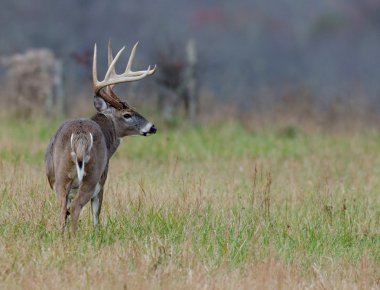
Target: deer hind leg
(96, 203)
(62, 193)
(63, 215)
(72, 193)
(83, 196)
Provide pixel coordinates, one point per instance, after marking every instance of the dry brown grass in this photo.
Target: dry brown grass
(167, 192)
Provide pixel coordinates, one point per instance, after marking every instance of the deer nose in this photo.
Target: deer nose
(153, 130)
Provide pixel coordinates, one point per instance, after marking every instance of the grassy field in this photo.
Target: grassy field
(220, 207)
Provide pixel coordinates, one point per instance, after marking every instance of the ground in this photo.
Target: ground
(211, 207)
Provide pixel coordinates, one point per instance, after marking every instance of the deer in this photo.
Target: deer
(77, 156)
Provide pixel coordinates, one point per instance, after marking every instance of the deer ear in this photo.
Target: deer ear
(102, 106)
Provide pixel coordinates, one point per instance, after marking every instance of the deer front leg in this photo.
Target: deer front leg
(96, 203)
(97, 198)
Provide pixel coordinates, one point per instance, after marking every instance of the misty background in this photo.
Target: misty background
(253, 54)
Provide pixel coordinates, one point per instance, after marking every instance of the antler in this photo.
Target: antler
(111, 78)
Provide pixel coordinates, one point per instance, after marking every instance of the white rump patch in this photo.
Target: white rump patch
(73, 155)
(91, 143)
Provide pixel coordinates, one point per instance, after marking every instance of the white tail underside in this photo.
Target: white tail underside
(80, 171)
(81, 164)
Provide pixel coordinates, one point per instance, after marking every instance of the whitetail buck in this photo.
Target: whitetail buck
(77, 157)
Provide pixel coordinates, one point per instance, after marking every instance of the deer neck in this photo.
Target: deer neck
(107, 126)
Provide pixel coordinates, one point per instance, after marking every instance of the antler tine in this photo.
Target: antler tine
(149, 71)
(131, 57)
(94, 72)
(110, 57)
(111, 69)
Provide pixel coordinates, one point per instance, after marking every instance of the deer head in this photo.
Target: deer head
(126, 120)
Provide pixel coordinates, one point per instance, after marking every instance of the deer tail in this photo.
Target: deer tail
(81, 144)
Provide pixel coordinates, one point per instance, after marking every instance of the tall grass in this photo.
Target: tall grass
(207, 207)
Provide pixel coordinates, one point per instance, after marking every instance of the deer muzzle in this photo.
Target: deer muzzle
(149, 129)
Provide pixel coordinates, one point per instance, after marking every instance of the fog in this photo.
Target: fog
(250, 52)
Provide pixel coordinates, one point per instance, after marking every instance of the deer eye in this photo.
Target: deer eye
(127, 116)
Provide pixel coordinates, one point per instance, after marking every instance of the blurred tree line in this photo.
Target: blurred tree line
(251, 53)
